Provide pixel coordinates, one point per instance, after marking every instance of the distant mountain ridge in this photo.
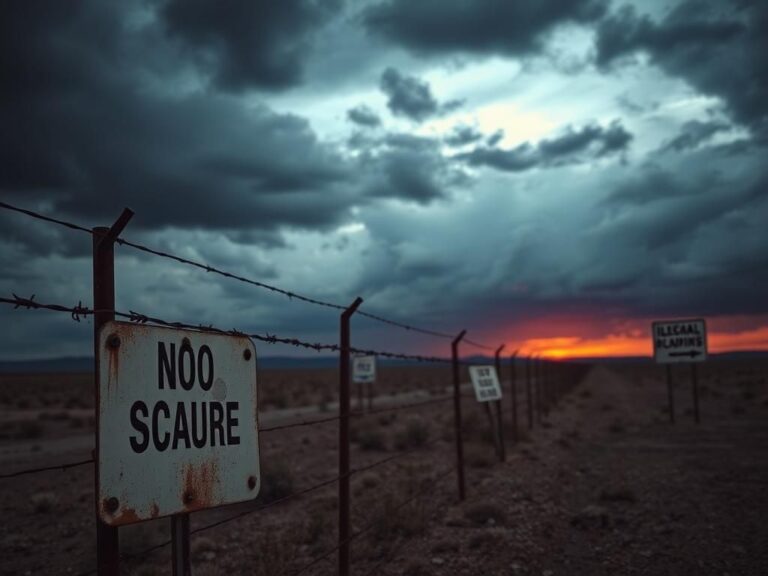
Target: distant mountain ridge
(85, 364)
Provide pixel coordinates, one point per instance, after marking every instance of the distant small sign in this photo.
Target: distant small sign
(178, 427)
(363, 369)
(679, 341)
(485, 382)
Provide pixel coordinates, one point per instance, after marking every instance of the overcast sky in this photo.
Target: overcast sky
(551, 174)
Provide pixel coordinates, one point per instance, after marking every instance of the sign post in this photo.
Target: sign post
(487, 390)
(680, 341)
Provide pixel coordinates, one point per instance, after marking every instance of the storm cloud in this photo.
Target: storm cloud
(484, 26)
(589, 142)
(435, 158)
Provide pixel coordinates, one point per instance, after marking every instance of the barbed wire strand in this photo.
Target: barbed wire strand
(60, 467)
(291, 295)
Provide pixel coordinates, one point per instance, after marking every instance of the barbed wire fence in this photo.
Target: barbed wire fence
(545, 384)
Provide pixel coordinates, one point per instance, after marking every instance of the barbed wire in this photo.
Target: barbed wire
(61, 467)
(291, 295)
(79, 311)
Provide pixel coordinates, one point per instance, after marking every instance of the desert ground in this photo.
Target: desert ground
(603, 484)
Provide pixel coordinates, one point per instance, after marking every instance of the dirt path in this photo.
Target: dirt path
(612, 488)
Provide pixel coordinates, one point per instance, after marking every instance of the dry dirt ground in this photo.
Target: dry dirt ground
(603, 485)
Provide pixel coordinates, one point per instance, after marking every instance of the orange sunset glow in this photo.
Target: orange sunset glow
(725, 334)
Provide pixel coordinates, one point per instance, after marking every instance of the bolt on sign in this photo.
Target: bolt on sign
(363, 369)
(485, 382)
(178, 422)
(679, 341)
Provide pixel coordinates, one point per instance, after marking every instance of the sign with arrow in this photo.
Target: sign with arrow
(679, 341)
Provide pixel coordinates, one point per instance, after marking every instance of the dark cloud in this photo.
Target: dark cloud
(481, 26)
(519, 159)
(718, 47)
(86, 131)
(463, 135)
(408, 96)
(590, 142)
(362, 115)
(248, 43)
(693, 134)
(409, 168)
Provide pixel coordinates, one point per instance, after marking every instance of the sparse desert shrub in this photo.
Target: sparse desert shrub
(369, 481)
(58, 415)
(618, 495)
(29, 430)
(485, 539)
(478, 457)
(274, 554)
(370, 438)
(391, 523)
(483, 513)
(417, 567)
(203, 548)
(43, 502)
(276, 482)
(319, 526)
(444, 547)
(617, 427)
(387, 419)
(414, 435)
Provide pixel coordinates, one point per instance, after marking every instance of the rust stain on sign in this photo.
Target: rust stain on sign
(124, 516)
(199, 486)
(114, 365)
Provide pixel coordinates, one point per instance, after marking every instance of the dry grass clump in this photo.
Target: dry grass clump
(276, 482)
(29, 430)
(414, 434)
(478, 456)
(43, 502)
(485, 513)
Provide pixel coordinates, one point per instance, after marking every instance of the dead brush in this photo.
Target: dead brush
(276, 482)
(43, 502)
(414, 434)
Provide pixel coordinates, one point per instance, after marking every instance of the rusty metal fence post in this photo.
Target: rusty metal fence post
(695, 385)
(180, 545)
(502, 451)
(344, 400)
(457, 414)
(670, 394)
(513, 393)
(529, 390)
(107, 539)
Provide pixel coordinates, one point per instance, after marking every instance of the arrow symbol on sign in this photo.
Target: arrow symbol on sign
(690, 354)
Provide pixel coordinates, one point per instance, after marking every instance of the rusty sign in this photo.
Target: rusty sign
(178, 421)
(486, 383)
(679, 341)
(363, 369)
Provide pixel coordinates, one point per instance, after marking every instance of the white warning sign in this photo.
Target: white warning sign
(679, 341)
(363, 369)
(485, 382)
(178, 427)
